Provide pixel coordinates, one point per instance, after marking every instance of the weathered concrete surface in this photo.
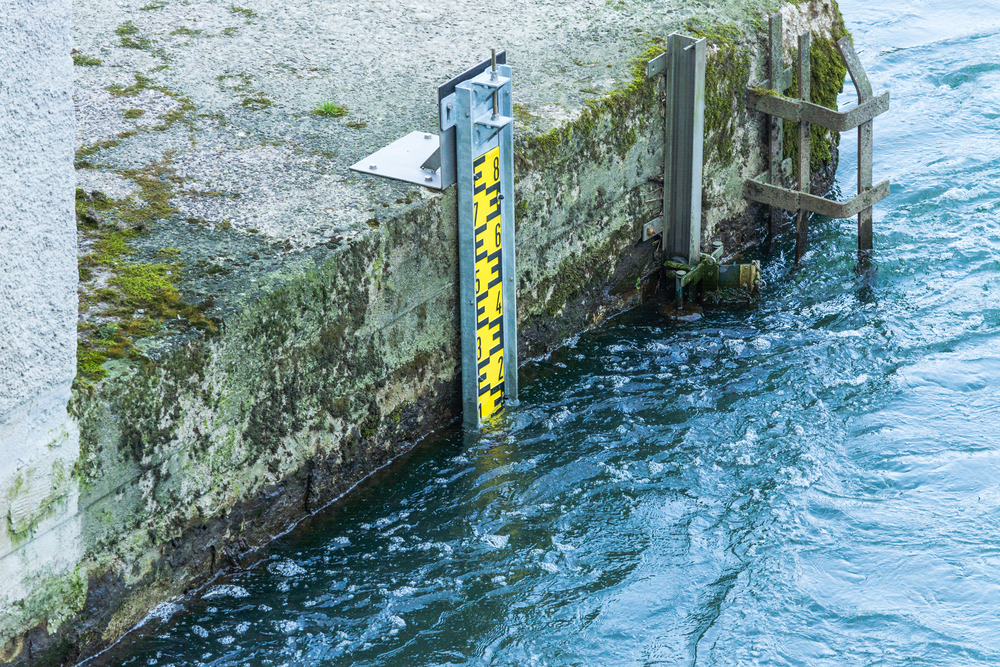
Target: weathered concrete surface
(261, 327)
(40, 546)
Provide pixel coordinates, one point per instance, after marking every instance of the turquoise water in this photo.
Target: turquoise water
(813, 482)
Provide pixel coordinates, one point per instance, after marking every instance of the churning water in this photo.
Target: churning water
(814, 482)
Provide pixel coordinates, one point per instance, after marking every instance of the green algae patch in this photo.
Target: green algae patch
(53, 601)
(147, 284)
(256, 103)
(828, 73)
(727, 72)
(83, 60)
(605, 125)
(129, 300)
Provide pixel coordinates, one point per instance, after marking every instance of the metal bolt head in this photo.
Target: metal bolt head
(428, 136)
(680, 274)
(650, 231)
(428, 178)
(716, 244)
(373, 167)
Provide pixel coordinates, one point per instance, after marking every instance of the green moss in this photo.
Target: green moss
(185, 31)
(522, 115)
(87, 151)
(141, 83)
(727, 72)
(153, 6)
(148, 285)
(615, 113)
(134, 113)
(356, 125)
(90, 364)
(230, 31)
(827, 81)
(81, 60)
(243, 11)
(139, 43)
(130, 287)
(53, 600)
(256, 103)
(127, 28)
(112, 247)
(178, 113)
(238, 82)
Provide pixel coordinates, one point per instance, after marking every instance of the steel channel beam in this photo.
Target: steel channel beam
(865, 140)
(805, 173)
(507, 232)
(683, 146)
(792, 200)
(776, 125)
(799, 110)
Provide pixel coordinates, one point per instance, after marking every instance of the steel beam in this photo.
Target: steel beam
(683, 146)
(865, 141)
(804, 173)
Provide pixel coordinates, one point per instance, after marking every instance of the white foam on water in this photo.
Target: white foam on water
(496, 541)
(161, 612)
(242, 628)
(226, 591)
(200, 631)
(227, 640)
(286, 627)
(286, 568)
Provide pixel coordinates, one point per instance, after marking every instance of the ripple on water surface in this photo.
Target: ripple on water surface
(813, 482)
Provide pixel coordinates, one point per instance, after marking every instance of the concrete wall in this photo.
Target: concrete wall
(260, 328)
(39, 532)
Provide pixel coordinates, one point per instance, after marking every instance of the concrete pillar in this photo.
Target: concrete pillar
(39, 445)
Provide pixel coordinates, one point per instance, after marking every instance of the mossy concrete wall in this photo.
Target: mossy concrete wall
(40, 546)
(253, 343)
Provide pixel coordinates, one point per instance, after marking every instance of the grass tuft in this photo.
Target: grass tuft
(330, 110)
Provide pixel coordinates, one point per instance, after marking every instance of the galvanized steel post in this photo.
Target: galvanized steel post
(683, 65)
(776, 145)
(805, 172)
(865, 141)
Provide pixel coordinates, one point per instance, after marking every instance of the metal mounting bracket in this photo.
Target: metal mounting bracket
(683, 66)
(423, 158)
(768, 187)
(711, 275)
